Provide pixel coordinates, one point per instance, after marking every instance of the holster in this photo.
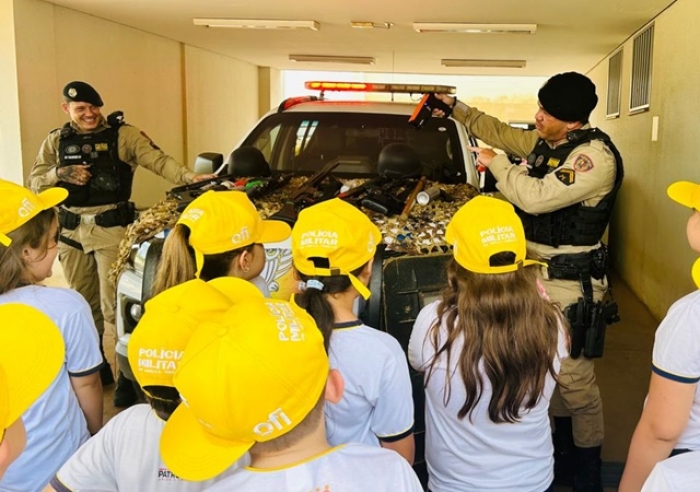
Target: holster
(588, 318)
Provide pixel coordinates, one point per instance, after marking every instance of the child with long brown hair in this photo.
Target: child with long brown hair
(219, 234)
(70, 410)
(491, 349)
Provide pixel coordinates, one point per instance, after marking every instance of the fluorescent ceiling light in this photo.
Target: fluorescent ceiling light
(474, 28)
(448, 62)
(258, 23)
(370, 25)
(358, 60)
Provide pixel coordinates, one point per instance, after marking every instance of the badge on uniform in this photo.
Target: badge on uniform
(539, 161)
(566, 176)
(583, 163)
(101, 147)
(552, 162)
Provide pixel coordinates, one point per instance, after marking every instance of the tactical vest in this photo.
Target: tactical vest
(575, 225)
(111, 178)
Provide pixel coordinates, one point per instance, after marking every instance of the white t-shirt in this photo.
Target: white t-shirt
(55, 424)
(477, 454)
(124, 456)
(676, 356)
(377, 401)
(678, 474)
(347, 468)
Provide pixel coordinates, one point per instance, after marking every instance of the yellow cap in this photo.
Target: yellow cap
(170, 318)
(685, 193)
(251, 376)
(338, 231)
(31, 355)
(221, 221)
(483, 227)
(20, 205)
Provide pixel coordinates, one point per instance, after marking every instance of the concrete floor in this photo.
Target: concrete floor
(623, 374)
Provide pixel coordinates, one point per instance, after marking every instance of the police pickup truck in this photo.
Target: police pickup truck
(306, 134)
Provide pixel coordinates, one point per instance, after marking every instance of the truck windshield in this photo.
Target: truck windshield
(304, 142)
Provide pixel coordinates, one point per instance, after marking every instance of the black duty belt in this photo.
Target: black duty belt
(576, 266)
(121, 216)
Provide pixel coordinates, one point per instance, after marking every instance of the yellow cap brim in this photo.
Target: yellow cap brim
(695, 273)
(685, 193)
(32, 352)
(273, 231)
(52, 197)
(193, 454)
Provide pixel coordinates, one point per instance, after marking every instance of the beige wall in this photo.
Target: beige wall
(186, 99)
(10, 144)
(647, 233)
(222, 101)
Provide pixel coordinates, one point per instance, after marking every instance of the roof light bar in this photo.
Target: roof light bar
(379, 87)
(258, 23)
(475, 28)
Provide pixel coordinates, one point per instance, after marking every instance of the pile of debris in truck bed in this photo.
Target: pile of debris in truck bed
(423, 232)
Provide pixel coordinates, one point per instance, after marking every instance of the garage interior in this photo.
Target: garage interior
(197, 89)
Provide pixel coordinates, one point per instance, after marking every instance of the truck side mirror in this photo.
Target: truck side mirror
(208, 163)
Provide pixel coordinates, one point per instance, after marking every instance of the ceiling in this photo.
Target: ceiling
(571, 35)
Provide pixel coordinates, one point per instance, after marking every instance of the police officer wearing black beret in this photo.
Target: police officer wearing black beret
(564, 196)
(95, 158)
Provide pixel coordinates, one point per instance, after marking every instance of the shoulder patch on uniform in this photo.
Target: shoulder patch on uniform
(153, 144)
(583, 163)
(566, 176)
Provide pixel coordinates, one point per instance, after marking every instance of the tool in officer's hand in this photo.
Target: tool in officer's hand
(412, 198)
(424, 110)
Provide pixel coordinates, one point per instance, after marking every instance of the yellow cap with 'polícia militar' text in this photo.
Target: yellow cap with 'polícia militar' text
(339, 232)
(251, 375)
(170, 319)
(484, 227)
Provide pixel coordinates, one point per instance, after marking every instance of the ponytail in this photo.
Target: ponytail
(315, 301)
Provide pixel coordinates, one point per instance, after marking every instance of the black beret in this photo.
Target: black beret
(569, 96)
(77, 91)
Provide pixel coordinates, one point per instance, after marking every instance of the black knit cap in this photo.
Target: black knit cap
(77, 91)
(569, 96)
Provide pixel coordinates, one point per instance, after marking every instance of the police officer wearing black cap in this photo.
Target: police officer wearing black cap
(95, 158)
(564, 196)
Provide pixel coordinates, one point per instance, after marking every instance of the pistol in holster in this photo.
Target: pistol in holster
(588, 318)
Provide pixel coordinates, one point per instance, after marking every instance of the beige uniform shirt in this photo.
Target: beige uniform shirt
(587, 175)
(135, 148)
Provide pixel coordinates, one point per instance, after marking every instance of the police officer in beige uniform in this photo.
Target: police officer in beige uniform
(564, 196)
(95, 158)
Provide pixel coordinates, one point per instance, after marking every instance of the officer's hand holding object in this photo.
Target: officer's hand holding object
(77, 174)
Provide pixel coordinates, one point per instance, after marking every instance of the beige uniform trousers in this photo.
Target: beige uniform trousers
(87, 271)
(577, 394)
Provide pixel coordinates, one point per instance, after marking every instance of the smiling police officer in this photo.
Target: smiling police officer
(95, 158)
(564, 196)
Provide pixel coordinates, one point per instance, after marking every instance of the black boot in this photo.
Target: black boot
(563, 440)
(124, 394)
(587, 476)
(106, 374)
